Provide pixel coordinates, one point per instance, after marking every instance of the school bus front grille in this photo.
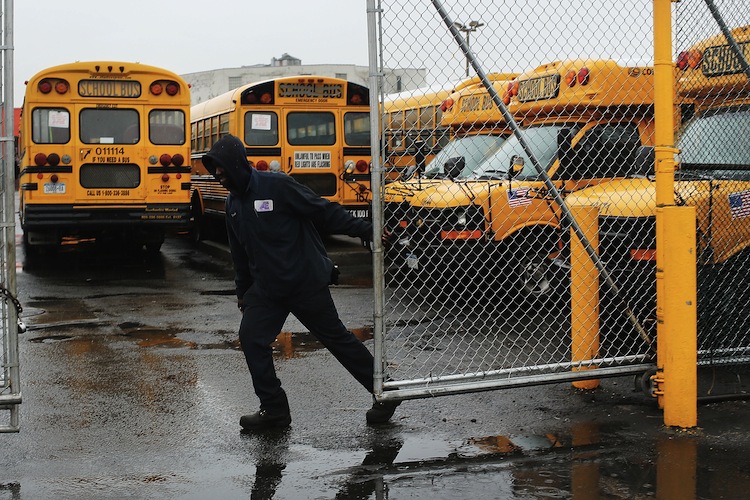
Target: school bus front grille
(103, 175)
(618, 236)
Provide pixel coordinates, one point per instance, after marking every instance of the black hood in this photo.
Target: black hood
(229, 152)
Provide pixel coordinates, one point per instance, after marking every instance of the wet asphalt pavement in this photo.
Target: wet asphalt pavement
(133, 386)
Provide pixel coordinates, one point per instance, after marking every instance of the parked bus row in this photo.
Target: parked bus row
(492, 222)
(114, 150)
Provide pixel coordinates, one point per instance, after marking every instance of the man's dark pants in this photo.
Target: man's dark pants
(262, 321)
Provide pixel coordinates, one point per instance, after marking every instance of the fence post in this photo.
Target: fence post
(584, 293)
(676, 313)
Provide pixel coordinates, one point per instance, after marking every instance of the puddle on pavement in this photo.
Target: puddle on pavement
(57, 310)
(586, 460)
(291, 345)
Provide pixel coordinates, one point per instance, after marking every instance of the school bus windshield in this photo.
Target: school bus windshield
(543, 142)
(468, 151)
(706, 144)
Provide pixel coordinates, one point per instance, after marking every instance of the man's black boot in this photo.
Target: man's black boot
(381, 412)
(265, 419)
(273, 414)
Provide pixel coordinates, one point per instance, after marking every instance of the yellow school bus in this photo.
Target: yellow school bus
(313, 128)
(713, 175)
(103, 152)
(497, 225)
(477, 128)
(414, 129)
(411, 128)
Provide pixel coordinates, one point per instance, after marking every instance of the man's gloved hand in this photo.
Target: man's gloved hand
(241, 305)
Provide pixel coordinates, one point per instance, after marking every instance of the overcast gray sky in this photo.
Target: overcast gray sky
(185, 36)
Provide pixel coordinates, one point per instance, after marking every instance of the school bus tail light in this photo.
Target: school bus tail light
(156, 88)
(53, 159)
(40, 159)
(361, 166)
(261, 165)
(689, 59)
(172, 88)
(165, 159)
(178, 160)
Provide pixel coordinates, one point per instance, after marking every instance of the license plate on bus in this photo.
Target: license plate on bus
(54, 188)
(361, 213)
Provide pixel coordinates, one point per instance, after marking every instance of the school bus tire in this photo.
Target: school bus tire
(529, 264)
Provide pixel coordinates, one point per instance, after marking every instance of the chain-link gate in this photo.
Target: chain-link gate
(10, 308)
(523, 250)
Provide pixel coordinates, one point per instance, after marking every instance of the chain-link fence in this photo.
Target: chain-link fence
(499, 273)
(10, 394)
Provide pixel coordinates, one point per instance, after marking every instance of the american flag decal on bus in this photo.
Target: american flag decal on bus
(518, 197)
(739, 204)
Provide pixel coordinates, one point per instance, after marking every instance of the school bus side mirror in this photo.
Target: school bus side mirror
(409, 172)
(454, 166)
(516, 166)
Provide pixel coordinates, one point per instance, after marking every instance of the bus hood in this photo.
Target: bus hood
(404, 191)
(618, 198)
(453, 194)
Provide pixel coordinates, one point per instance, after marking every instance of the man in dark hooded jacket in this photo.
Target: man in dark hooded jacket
(281, 267)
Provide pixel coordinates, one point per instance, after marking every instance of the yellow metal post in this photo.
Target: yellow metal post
(584, 294)
(676, 378)
(679, 357)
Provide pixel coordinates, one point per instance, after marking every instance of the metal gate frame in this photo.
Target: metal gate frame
(587, 369)
(10, 391)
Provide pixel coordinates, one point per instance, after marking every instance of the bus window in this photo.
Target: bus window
(50, 125)
(108, 126)
(357, 129)
(607, 150)
(261, 129)
(311, 129)
(166, 126)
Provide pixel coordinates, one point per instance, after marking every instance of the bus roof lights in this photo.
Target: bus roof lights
(446, 105)
(45, 86)
(165, 159)
(40, 159)
(61, 87)
(689, 59)
(570, 78)
(172, 88)
(356, 99)
(266, 98)
(156, 88)
(583, 76)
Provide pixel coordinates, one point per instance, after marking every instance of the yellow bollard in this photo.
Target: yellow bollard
(677, 347)
(584, 294)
